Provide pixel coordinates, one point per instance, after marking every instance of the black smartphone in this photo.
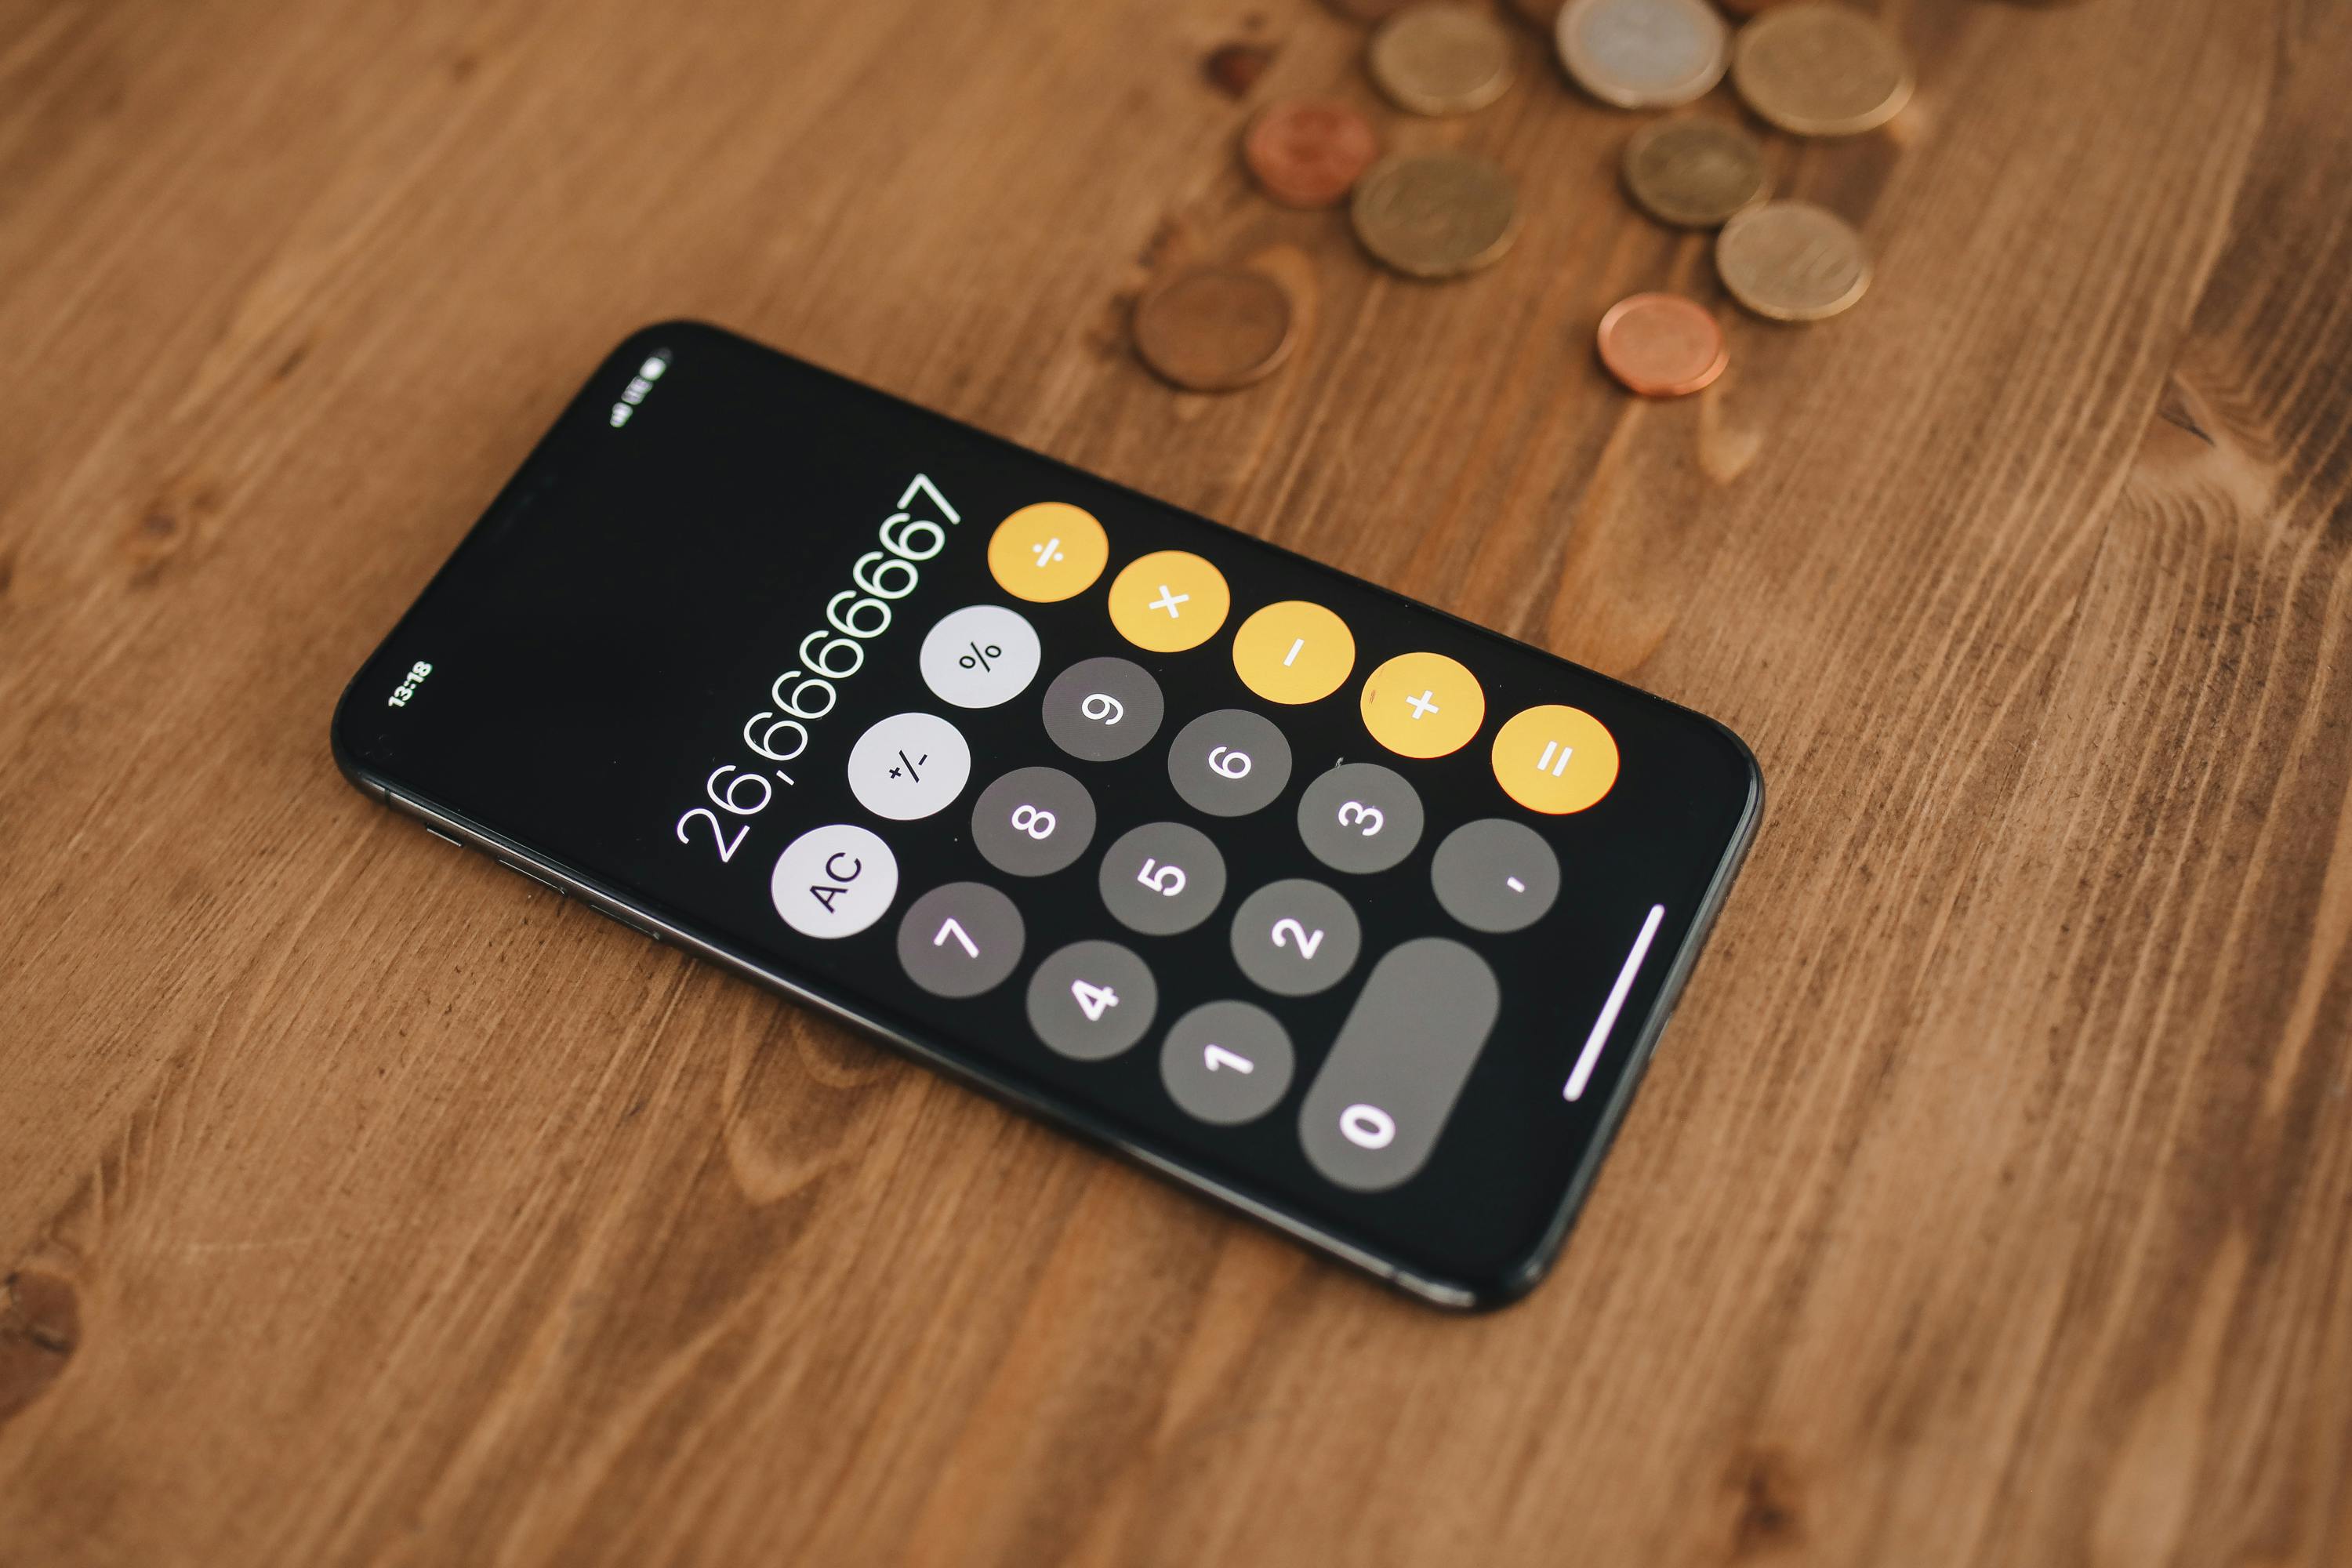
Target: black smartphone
(1349, 913)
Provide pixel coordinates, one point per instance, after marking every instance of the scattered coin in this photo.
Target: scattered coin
(1215, 329)
(1441, 58)
(1435, 214)
(1694, 172)
(1642, 54)
(1662, 345)
(1308, 155)
(1792, 261)
(1821, 69)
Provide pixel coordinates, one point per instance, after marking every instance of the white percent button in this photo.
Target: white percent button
(979, 656)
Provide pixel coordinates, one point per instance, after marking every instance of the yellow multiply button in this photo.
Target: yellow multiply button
(1294, 651)
(1169, 601)
(1048, 551)
(1554, 760)
(1423, 705)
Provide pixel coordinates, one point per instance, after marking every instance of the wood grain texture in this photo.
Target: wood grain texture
(1991, 1200)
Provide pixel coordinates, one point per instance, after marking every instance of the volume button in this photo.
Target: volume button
(1384, 1093)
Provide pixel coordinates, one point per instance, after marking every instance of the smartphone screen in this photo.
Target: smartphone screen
(1345, 912)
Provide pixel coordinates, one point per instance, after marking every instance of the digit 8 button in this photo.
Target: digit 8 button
(1555, 759)
(1169, 601)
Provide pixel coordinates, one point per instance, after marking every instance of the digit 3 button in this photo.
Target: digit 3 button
(960, 940)
(908, 766)
(1494, 875)
(1047, 553)
(1226, 1062)
(1033, 822)
(1555, 759)
(833, 882)
(1169, 601)
(1100, 710)
(1422, 705)
(1162, 878)
(1296, 937)
(1229, 763)
(1359, 817)
(979, 656)
(1293, 652)
(1091, 1000)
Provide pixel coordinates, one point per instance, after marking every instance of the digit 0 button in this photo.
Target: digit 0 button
(1423, 705)
(1047, 552)
(1375, 1109)
(1169, 601)
(1293, 652)
(833, 882)
(1554, 760)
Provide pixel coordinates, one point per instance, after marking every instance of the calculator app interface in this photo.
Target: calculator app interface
(1353, 912)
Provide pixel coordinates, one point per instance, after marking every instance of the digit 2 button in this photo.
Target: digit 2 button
(1296, 937)
(960, 940)
(1033, 822)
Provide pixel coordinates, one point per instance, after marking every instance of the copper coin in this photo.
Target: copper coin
(1307, 155)
(1662, 345)
(1215, 328)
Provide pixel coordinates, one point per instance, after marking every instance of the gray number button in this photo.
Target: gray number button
(1091, 1000)
(1032, 821)
(1296, 937)
(1494, 875)
(1226, 1062)
(1374, 1112)
(1229, 763)
(1163, 877)
(960, 940)
(1100, 710)
(1359, 817)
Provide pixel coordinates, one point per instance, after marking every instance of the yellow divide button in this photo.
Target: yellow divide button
(1554, 760)
(1048, 551)
(1293, 652)
(1423, 705)
(1169, 601)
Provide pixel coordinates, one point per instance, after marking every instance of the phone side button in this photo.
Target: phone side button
(617, 917)
(443, 836)
(555, 888)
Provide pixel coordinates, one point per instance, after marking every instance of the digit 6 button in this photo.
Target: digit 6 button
(1296, 937)
(1229, 763)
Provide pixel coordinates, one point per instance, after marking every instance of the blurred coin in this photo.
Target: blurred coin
(1215, 329)
(1821, 69)
(1441, 58)
(1694, 172)
(1642, 54)
(1792, 261)
(1308, 155)
(1662, 345)
(1435, 214)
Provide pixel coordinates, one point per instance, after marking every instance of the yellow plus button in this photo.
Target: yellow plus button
(1169, 601)
(1555, 759)
(1423, 705)
(1293, 652)
(1047, 552)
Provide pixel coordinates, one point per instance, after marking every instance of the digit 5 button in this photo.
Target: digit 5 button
(1555, 759)
(1169, 601)
(1422, 705)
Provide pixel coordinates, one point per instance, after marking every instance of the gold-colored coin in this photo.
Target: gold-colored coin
(1441, 58)
(1821, 69)
(1792, 261)
(1694, 172)
(1435, 214)
(1642, 54)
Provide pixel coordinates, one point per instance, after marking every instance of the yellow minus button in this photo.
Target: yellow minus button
(1293, 652)
(1555, 759)
(1047, 553)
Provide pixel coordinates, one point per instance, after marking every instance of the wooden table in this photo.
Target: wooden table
(1991, 1200)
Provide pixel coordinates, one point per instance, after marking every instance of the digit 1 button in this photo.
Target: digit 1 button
(833, 882)
(1033, 822)
(1494, 875)
(1296, 937)
(1100, 710)
(1047, 552)
(1169, 601)
(1229, 763)
(1226, 1062)
(1372, 1116)
(1162, 878)
(1422, 705)
(1091, 1000)
(1554, 760)
(960, 940)
(1293, 652)
(1359, 817)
